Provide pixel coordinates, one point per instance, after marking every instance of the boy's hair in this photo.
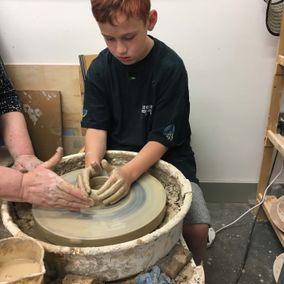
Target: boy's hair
(105, 11)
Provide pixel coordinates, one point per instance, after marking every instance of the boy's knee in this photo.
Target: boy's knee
(195, 230)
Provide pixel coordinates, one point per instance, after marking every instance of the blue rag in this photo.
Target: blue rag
(154, 276)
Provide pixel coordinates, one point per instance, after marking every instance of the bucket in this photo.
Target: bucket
(21, 261)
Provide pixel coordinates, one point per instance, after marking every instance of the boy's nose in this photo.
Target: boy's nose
(121, 48)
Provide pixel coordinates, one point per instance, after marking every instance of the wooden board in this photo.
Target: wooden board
(73, 144)
(63, 78)
(42, 110)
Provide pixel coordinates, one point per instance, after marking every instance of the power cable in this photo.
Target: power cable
(254, 222)
(255, 206)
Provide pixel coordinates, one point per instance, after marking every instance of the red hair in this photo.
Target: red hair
(105, 11)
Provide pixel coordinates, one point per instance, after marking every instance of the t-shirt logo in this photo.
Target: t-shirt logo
(84, 112)
(169, 132)
(147, 109)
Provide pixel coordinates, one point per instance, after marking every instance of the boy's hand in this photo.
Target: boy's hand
(116, 187)
(83, 179)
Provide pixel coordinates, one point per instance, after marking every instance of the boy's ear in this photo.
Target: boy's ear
(153, 17)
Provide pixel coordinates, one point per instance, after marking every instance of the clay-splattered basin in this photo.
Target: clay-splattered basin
(123, 260)
(21, 261)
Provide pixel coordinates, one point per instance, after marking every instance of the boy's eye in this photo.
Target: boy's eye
(109, 39)
(130, 37)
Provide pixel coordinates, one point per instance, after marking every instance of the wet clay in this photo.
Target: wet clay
(18, 268)
(22, 212)
(139, 213)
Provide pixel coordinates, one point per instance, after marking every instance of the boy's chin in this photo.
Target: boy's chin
(126, 61)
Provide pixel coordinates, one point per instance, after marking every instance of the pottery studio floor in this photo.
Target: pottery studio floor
(243, 253)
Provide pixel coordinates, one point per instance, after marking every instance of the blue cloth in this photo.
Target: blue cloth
(154, 276)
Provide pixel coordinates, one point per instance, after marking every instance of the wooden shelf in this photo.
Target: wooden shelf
(281, 60)
(266, 207)
(273, 140)
(277, 140)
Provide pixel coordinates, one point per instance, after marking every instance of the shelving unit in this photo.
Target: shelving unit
(273, 140)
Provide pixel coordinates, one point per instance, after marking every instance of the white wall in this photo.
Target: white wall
(225, 46)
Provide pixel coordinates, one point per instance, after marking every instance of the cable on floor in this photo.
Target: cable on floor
(249, 210)
(255, 206)
(256, 216)
(247, 249)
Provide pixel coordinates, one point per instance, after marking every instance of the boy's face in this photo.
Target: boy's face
(127, 39)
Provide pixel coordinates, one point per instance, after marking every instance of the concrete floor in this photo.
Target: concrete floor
(243, 253)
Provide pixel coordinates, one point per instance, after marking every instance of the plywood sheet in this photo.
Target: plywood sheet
(42, 110)
(73, 144)
(63, 78)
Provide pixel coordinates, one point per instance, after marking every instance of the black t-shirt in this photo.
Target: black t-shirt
(146, 101)
(8, 98)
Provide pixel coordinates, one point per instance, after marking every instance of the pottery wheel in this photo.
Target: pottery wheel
(136, 215)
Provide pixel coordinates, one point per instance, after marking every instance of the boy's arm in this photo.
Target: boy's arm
(147, 157)
(95, 145)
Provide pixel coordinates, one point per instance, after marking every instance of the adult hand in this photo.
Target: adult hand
(43, 187)
(26, 163)
(116, 187)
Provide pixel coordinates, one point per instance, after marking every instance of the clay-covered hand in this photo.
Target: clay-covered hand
(116, 187)
(26, 163)
(86, 174)
(43, 187)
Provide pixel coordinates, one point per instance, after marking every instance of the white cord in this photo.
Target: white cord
(258, 204)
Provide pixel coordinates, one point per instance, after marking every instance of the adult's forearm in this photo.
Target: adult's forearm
(95, 145)
(10, 184)
(15, 134)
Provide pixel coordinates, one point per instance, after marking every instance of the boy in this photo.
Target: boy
(136, 99)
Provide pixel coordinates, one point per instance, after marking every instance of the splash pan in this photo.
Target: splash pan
(118, 261)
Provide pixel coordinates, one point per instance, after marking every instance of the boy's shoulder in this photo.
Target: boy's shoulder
(99, 62)
(162, 57)
(101, 57)
(166, 55)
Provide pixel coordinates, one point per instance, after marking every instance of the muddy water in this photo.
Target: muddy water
(18, 268)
